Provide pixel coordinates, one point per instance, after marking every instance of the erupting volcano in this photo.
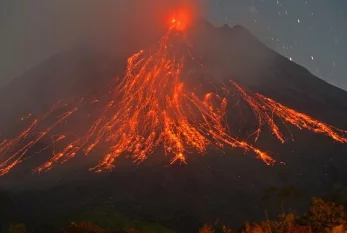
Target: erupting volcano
(151, 107)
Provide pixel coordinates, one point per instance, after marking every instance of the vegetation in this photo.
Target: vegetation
(18, 228)
(97, 219)
(323, 216)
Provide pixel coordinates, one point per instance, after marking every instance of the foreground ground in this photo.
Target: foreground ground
(323, 216)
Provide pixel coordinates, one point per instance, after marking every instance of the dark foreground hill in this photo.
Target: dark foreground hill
(228, 186)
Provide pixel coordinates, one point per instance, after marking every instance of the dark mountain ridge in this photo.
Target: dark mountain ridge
(235, 53)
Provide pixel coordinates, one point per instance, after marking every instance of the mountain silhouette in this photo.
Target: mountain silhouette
(220, 185)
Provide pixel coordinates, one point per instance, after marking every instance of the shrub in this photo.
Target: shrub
(207, 229)
(337, 229)
(83, 227)
(18, 228)
(256, 228)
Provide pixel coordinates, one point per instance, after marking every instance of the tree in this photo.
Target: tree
(325, 215)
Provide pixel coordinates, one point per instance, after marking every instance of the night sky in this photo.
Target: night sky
(312, 33)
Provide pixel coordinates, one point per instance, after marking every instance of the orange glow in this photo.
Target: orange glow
(181, 19)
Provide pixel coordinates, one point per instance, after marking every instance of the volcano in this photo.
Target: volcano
(277, 111)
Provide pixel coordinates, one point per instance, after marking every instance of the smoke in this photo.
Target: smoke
(34, 30)
(131, 23)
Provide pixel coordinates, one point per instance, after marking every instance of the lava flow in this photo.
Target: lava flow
(266, 111)
(152, 108)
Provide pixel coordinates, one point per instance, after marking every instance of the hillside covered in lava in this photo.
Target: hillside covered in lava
(276, 110)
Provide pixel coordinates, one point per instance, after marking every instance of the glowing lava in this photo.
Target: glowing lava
(151, 108)
(267, 110)
(181, 20)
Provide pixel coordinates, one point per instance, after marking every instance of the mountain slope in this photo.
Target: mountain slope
(225, 185)
(234, 53)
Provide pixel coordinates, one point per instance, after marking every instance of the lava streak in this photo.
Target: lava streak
(267, 110)
(14, 151)
(150, 108)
